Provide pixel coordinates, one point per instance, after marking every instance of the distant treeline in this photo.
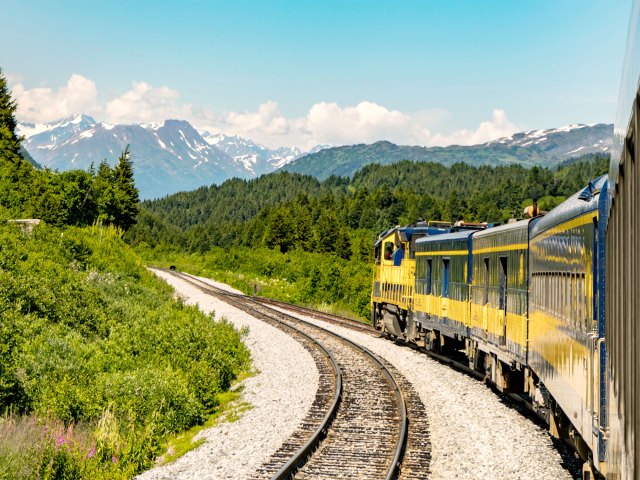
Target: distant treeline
(341, 215)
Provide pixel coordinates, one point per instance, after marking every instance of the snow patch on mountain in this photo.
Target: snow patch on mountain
(250, 155)
(567, 140)
(73, 124)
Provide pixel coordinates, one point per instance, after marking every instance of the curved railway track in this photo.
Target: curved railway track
(368, 433)
(363, 327)
(520, 403)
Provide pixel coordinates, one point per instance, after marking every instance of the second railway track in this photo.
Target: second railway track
(368, 436)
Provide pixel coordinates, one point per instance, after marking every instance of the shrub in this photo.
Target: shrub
(95, 344)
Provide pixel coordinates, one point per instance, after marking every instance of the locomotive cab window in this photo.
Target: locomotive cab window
(388, 250)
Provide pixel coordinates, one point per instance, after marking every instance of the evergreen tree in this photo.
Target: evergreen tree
(343, 244)
(15, 173)
(103, 193)
(125, 192)
(279, 230)
(326, 232)
(9, 142)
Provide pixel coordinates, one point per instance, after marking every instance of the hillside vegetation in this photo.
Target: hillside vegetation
(99, 365)
(302, 240)
(287, 210)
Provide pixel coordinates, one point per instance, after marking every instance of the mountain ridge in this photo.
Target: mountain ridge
(546, 148)
(174, 156)
(169, 156)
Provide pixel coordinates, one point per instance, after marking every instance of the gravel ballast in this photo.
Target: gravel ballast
(280, 395)
(473, 434)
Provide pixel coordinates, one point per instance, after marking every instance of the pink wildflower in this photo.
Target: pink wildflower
(114, 459)
(92, 452)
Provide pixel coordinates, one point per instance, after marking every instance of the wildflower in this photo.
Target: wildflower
(114, 459)
(92, 452)
(60, 440)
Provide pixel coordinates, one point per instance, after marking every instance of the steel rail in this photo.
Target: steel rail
(294, 463)
(319, 433)
(403, 430)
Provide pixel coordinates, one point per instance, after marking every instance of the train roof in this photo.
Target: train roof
(506, 227)
(460, 235)
(409, 231)
(584, 201)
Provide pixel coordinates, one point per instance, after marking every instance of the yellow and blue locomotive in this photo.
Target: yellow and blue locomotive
(394, 274)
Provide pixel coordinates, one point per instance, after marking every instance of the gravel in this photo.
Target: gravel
(473, 434)
(236, 450)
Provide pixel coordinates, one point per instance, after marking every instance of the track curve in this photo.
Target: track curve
(367, 436)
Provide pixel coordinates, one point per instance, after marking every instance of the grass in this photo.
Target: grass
(230, 409)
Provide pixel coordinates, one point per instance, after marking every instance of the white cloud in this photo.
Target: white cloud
(329, 123)
(144, 103)
(325, 122)
(44, 104)
(267, 120)
(499, 126)
(365, 123)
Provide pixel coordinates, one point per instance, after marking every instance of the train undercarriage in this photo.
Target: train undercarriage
(491, 366)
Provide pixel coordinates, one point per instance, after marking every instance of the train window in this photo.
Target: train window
(582, 302)
(429, 269)
(594, 270)
(503, 283)
(556, 291)
(485, 298)
(445, 277)
(388, 250)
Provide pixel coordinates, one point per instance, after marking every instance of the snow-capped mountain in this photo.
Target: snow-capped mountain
(61, 130)
(545, 148)
(168, 157)
(253, 157)
(172, 156)
(570, 141)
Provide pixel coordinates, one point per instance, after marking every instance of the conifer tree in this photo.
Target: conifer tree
(103, 192)
(9, 142)
(15, 173)
(125, 191)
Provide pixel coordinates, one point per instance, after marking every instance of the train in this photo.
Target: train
(547, 307)
(520, 301)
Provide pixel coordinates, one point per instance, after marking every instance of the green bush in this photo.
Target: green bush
(295, 276)
(92, 342)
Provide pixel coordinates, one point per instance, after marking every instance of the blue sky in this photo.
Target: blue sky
(428, 72)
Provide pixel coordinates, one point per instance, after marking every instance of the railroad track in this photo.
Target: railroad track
(368, 435)
(327, 317)
(519, 402)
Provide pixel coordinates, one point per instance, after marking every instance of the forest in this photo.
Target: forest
(292, 236)
(342, 215)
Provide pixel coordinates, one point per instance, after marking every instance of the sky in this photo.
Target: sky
(308, 72)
